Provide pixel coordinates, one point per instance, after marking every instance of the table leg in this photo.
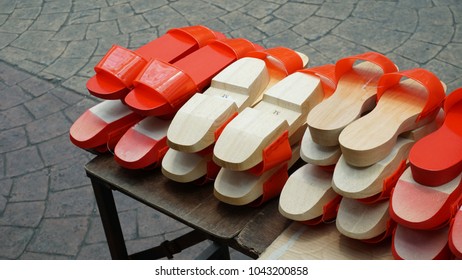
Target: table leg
(110, 220)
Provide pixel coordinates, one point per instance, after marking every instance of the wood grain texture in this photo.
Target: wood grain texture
(362, 221)
(283, 107)
(322, 242)
(355, 94)
(305, 193)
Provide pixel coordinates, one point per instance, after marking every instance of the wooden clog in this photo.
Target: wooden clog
(423, 207)
(306, 193)
(355, 94)
(99, 128)
(118, 69)
(412, 244)
(367, 222)
(242, 188)
(403, 105)
(437, 158)
(257, 137)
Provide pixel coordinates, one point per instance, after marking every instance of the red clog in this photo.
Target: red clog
(117, 70)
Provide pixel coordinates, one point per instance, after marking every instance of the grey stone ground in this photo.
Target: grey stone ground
(48, 50)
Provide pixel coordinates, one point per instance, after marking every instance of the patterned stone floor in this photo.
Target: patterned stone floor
(48, 50)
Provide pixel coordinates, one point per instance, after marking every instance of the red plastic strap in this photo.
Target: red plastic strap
(279, 151)
(453, 98)
(426, 78)
(220, 129)
(236, 48)
(273, 186)
(122, 64)
(346, 64)
(327, 75)
(329, 212)
(201, 34)
(281, 59)
(166, 80)
(388, 184)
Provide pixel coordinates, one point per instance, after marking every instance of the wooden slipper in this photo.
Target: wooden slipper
(143, 145)
(355, 94)
(437, 158)
(412, 244)
(422, 207)
(316, 154)
(189, 167)
(244, 188)
(99, 128)
(308, 196)
(367, 222)
(376, 182)
(240, 85)
(403, 105)
(118, 69)
(162, 88)
(258, 137)
(380, 178)
(455, 235)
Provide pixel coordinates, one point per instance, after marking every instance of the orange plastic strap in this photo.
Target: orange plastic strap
(281, 59)
(329, 212)
(426, 78)
(346, 64)
(273, 186)
(201, 34)
(279, 151)
(220, 129)
(166, 80)
(388, 184)
(327, 75)
(122, 64)
(453, 98)
(237, 48)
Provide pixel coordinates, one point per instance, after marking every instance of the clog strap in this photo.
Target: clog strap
(281, 59)
(388, 184)
(346, 64)
(426, 78)
(329, 212)
(237, 47)
(200, 34)
(121, 64)
(169, 81)
(327, 75)
(453, 98)
(279, 151)
(273, 186)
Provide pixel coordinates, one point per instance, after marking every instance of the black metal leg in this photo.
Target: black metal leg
(110, 220)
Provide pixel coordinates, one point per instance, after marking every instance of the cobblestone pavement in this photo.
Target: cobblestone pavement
(48, 50)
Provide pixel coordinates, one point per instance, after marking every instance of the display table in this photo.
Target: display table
(246, 229)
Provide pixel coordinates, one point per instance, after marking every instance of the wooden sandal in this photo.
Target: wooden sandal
(403, 105)
(355, 94)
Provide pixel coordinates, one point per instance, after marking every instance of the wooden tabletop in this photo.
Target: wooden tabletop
(247, 229)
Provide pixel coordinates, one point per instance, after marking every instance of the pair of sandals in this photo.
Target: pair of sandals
(144, 89)
(355, 160)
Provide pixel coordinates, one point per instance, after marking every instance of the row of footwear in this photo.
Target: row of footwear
(202, 107)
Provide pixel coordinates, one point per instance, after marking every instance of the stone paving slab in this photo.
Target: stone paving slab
(47, 53)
